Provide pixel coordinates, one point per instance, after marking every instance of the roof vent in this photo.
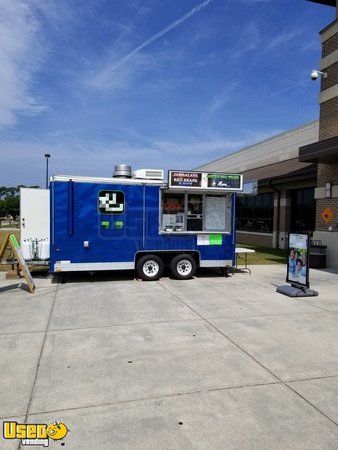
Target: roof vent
(149, 174)
(122, 171)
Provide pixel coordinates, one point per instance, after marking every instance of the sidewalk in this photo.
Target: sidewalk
(209, 363)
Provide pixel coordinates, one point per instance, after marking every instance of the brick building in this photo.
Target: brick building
(285, 199)
(296, 172)
(325, 152)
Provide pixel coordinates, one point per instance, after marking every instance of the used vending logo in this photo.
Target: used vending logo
(35, 433)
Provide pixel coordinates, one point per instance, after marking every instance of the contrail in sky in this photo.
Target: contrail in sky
(161, 33)
(288, 88)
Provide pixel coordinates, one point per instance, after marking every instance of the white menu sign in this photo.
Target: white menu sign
(215, 211)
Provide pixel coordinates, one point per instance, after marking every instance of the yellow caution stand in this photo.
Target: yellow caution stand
(10, 240)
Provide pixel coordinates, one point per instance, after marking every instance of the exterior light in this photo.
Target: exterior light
(328, 190)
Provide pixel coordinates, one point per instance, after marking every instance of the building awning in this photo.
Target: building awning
(325, 152)
(281, 172)
(324, 2)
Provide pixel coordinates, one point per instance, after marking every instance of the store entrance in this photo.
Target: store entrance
(303, 210)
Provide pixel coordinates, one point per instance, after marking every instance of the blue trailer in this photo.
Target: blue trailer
(141, 222)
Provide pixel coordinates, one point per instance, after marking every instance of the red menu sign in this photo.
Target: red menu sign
(185, 179)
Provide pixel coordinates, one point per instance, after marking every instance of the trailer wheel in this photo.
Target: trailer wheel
(183, 267)
(150, 267)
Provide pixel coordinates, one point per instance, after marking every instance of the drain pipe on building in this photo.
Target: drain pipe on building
(277, 191)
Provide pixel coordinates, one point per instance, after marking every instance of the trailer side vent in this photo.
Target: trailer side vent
(149, 174)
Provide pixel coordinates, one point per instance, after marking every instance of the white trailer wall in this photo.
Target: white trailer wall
(34, 214)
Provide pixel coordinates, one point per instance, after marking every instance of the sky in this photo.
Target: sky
(150, 83)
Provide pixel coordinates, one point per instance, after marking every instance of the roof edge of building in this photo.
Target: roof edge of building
(324, 2)
(276, 136)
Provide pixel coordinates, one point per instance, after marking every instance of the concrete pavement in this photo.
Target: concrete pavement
(209, 363)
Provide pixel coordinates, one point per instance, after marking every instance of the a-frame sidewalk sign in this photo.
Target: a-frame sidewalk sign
(10, 240)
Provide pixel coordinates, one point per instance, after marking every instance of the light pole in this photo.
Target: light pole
(47, 156)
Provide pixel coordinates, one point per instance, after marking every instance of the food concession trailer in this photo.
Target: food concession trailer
(137, 221)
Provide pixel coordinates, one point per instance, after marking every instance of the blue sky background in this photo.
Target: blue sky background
(226, 74)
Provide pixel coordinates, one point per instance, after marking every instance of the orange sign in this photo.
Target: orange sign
(327, 215)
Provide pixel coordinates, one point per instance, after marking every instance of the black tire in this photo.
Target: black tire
(146, 264)
(183, 267)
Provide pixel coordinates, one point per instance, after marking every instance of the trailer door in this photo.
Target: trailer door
(34, 214)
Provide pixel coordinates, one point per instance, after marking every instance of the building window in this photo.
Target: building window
(255, 213)
(303, 210)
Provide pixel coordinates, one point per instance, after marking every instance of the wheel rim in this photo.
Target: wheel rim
(151, 268)
(184, 267)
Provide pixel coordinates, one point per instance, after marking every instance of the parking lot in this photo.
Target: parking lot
(208, 363)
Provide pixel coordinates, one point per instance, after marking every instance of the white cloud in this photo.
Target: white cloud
(24, 46)
(158, 35)
(102, 77)
(223, 97)
(193, 152)
(93, 158)
(20, 56)
(114, 74)
(284, 38)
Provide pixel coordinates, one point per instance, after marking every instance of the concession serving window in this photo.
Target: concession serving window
(186, 212)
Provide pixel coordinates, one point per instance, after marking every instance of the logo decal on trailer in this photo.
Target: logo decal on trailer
(111, 202)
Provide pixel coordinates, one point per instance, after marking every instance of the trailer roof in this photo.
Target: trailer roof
(80, 179)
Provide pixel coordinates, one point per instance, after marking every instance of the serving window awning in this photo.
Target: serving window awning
(325, 152)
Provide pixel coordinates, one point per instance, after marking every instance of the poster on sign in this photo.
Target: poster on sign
(185, 179)
(224, 181)
(206, 181)
(298, 259)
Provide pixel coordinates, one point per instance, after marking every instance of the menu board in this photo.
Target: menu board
(185, 179)
(215, 213)
(204, 180)
(224, 181)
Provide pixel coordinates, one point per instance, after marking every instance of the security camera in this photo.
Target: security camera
(315, 74)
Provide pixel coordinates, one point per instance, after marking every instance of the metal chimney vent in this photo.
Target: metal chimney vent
(122, 171)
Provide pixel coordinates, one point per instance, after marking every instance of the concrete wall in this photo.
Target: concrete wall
(262, 239)
(279, 148)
